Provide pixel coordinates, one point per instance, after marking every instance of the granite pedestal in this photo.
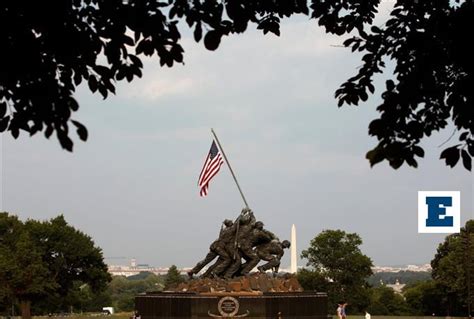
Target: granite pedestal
(174, 305)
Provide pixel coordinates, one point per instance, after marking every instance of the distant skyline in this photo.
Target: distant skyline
(134, 268)
(299, 158)
(141, 263)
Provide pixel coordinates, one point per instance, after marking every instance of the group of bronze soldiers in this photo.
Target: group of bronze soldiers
(243, 239)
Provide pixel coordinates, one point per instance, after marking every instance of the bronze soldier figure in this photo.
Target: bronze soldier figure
(257, 236)
(245, 238)
(217, 248)
(246, 224)
(271, 252)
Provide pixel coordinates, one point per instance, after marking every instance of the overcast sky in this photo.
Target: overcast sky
(300, 160)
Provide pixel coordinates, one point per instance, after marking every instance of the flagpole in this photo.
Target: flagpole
(230, 168)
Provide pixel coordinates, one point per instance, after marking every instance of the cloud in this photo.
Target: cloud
(158, 87)
(248, 61)
(180, 134)
(243, 63)
(304, 159)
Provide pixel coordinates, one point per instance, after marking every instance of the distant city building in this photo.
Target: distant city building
(397, 287)
(424, 268)
(135, 269)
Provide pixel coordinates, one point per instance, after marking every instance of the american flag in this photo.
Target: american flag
(211, 167)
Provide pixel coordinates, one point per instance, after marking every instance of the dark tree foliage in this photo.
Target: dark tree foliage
(173, 277)
(311, 280)
(47, 260)
(453, 270)
(403, 277)
(338, 267)
(426, 298)
(124, 289)
(385, 301)
(50, 48)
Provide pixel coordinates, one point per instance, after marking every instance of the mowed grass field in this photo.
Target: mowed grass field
(129, 315)
(400, 317)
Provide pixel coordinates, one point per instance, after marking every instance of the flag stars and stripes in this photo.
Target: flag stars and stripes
(211, 167)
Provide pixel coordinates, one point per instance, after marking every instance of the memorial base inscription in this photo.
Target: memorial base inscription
(174, 305)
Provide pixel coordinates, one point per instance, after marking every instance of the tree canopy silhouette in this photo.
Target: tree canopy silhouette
(42, 260)
(453, 270)
(338, 267)
(51, 48)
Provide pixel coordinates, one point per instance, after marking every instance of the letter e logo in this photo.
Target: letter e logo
(439, 212)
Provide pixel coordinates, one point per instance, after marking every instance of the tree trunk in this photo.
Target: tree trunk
(25, 306)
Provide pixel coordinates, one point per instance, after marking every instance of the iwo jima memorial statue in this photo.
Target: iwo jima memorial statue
(228, 288)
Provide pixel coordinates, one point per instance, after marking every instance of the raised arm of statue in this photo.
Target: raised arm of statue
(253, 220)
(246, 217)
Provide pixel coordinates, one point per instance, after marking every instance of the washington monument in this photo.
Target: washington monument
(293, 266)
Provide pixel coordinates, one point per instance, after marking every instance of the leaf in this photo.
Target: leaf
(73, 105)
(103, 71)
(137, 72)
(375, 156)
(371, 87)
(198, 32)
(375, 29)
(470, 147)
(466, 160)
(212, 40)
(390, 85)
(274, 27)
(349, 41)
(177, 53)
(81, 130)
(65, 141)
(145, 47)
(129, 75)
(49, 130)
(37, 127)
(376, 127)
(355, 46)
(92, 83)
(136, 61)
(136, 36)
(172, 12)
(396, 163)
(15, 132)
(128, 40)
(270, 24)
(411, 161)
(103, 91)
(120, 75)
(108, 84)
(4, 123)
(451, 155)
(418, 151)
(77, 78)
(3, 109)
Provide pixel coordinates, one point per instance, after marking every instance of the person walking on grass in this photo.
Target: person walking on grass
(341, 310)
